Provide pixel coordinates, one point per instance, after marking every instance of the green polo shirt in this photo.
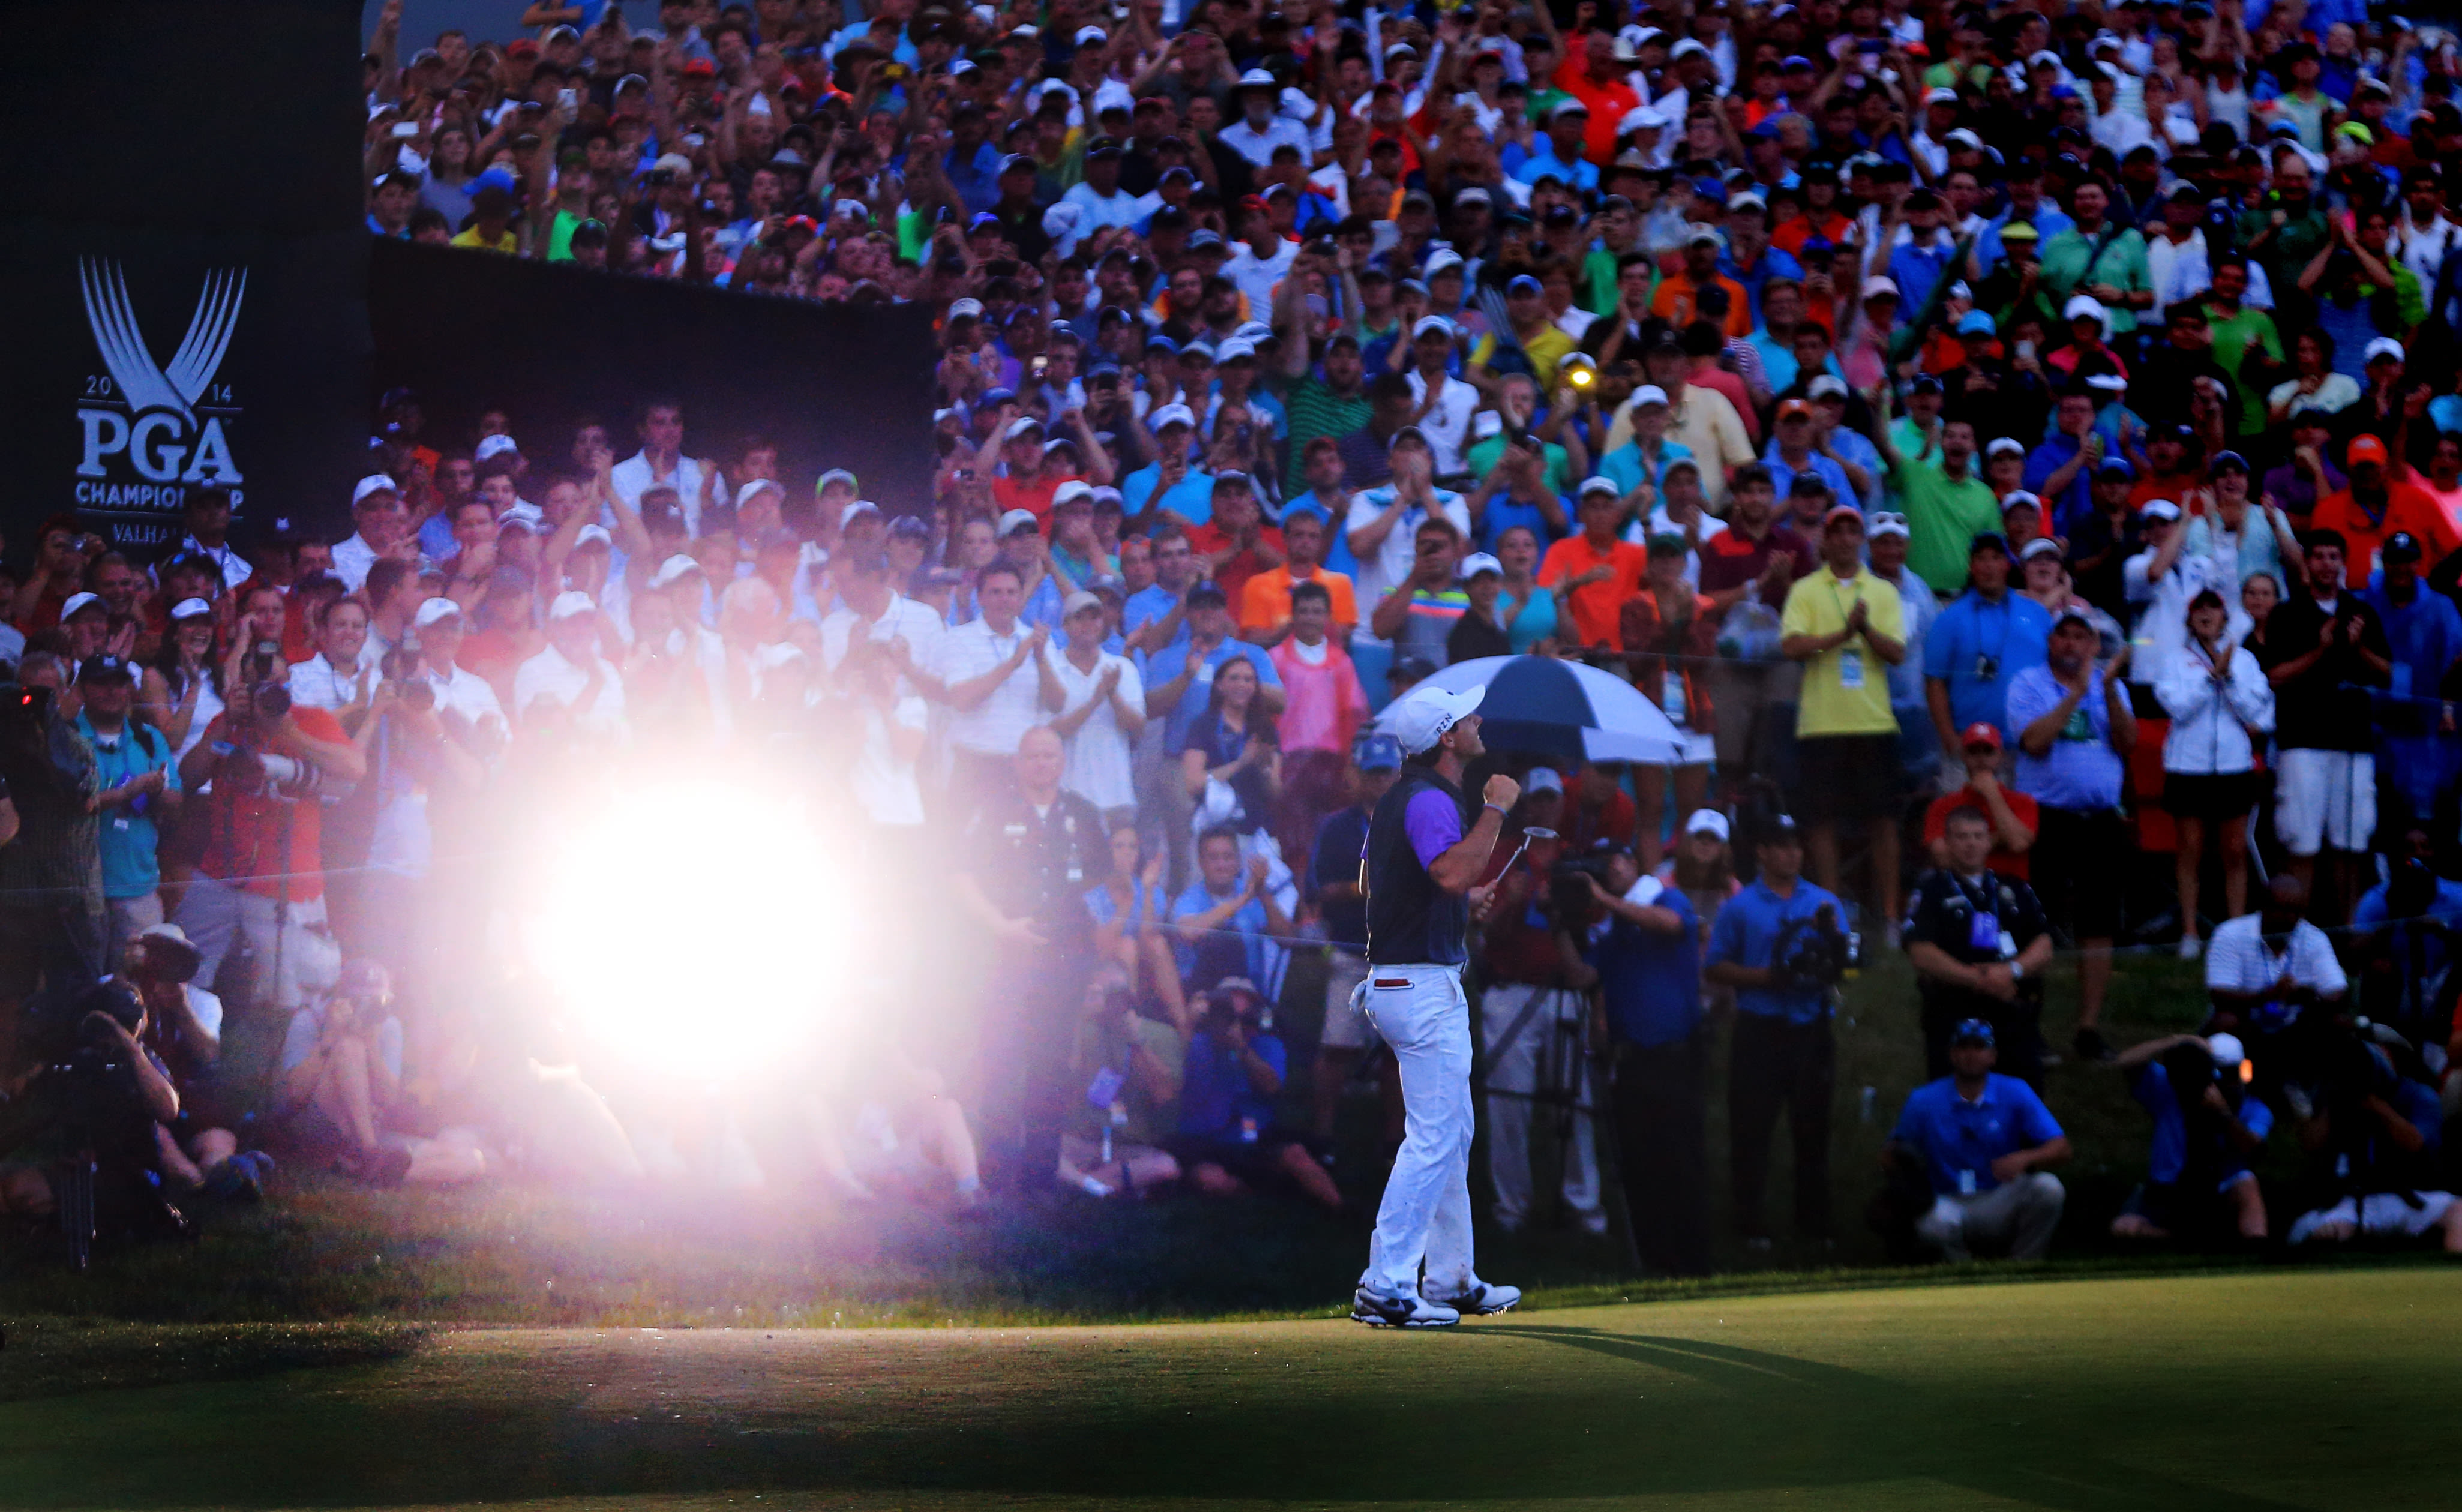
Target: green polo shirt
(2071, 264)
(1317, 410)
(2233, 337)
(1943, 519)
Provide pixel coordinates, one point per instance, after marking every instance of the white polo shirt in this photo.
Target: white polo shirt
(550, 675)
(994, 726)
(2239, 959)
(1099, 752)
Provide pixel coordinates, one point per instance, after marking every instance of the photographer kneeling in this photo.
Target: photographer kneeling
(1228, 1089)
(341, 1069)
(1983, 1140)
(183, 1032)
(99, 1097)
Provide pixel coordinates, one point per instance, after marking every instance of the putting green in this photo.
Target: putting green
(2308, 1389)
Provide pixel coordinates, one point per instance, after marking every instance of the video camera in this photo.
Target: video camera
(400, 668)
(1815, 954)
(1570, 899)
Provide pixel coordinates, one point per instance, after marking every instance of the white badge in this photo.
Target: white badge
(1850, 669)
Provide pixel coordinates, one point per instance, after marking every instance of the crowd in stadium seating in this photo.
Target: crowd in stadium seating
(2020, 454)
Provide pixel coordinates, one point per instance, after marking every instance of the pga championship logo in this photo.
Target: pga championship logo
(151, 430)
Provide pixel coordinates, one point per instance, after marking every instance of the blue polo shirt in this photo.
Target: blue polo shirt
(1972, 631)
(1580, 176)
(2420, 952)
(1192, 501)
(1649, 982)
(1165, 664)
(127, 839)
(1149, 604)
(2168, 1156)
(2081, 773)
(1957, 1136)
(1249, 922)
(1746, 934)
(1215, 1097)
(2073, 502)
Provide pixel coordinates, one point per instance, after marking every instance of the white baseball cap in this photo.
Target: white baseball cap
(2384, 347)
(1477, 562)
(1886, 521)
(2019, 496)
(191, 608)
(80, 601)
(1433, 323)
(1541, 779)
(2004, 443)
(1018, 520)
(1419, 718)
(1875, 287)
(1172, 415)
(855, 507)
(1020, 426)
(2082, 306)
(1069, 493)
(1707, 821)
(594, 534)
(673, 568)
(2159, 509)
(372, 483)
(570, 602)
(434, 610)
(1649, 394)
(494, 446)
(745, 494)
(1596, 484)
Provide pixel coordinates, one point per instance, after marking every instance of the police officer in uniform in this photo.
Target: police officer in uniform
(1030, 855)
(1419, 874)
(1980, 946)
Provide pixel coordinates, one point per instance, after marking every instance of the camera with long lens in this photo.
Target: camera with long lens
(268, 680)
(247, 765)
(1570, 899)
(1814, 954)
(400, 668)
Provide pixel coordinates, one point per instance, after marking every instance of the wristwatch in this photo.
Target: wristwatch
(2017, 971)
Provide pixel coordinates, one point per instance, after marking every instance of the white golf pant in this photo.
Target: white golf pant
(1425, 1215)
(1549, 1040)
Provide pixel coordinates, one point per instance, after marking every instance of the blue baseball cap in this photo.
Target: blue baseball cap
(1975, 323)
(1973, 1031)
(1525, 283)
(2114, 467)
(1373, 752)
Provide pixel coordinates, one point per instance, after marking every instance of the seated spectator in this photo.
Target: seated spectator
(1983, 1140)
(1131, 1066)
(2269, 972)
(1229, 1084)
(2207, 1128)
(341, 1076)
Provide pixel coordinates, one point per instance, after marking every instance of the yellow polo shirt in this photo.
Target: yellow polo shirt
(1846, 688)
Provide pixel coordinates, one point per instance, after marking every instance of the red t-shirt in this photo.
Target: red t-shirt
(244, 830)
(1615, 820)
(2007, 863)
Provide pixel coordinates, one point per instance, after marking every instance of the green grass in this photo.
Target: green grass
(2309, 1388)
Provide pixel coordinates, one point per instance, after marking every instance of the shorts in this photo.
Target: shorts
(1259, 1164)
(1848, 779)
(2211, 795)
(1346, 1013)
(2075, 865)
(2378, 1213)
(2324, 799)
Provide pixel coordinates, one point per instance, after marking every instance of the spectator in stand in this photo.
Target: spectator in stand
(1847, 628)
(1670, 637)
(2419, 757)
(1266, 598)
(1983, 1140)
(2324, 649)
(1323, 707)
(995, 694)
(1978, 645)
(1229, 915)
(2220, 706)
(139, 784)
(1097, 704)
(1594, 571)
(2074, 730)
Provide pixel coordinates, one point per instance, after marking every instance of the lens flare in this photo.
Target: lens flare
(689, 925)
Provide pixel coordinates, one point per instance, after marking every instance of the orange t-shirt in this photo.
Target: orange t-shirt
(1265, 600)
(1674, 302)
(2408, 507)
(1596, 609)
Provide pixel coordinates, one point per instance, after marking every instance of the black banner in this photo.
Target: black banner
(549, 344)
(182, 271)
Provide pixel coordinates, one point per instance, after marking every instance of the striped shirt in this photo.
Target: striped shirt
(1317, 410)
(1433, 617)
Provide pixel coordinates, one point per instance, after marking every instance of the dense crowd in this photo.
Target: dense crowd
(2020, 454)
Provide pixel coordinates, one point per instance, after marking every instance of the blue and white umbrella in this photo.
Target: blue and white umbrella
(1563, 708)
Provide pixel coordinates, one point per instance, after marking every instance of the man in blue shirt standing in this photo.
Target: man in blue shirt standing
(1644, 949)
(1983, 1141)
(1781, 944)
(1978, 645)
(2424, 633)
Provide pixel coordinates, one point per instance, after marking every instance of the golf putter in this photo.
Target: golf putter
(1527, 835)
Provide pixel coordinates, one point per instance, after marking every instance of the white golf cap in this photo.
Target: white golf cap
(1233, 349)
(856, 509)
(2384, 347)
(434, 610)
(80, 601)
(1876, 287)
(1649, 394)
(1477, 562)
(672, 570)
(372, 483)
(2009, 445)
(1172, 415)
(494, 447)
(1941, 97)
(1017, 520)
(1020, 426)
(570, 602)
(1828, 385)
(2226, 1050)
(1541, 779)
(1597, 484)
(745, 495)
(1707, 821)
(191, 608)
(1257, 78)
(2082, 306)
(2159, 509)
(594, 534)
(1436, 324)
(2017, 497)
(1069, 493)
(1886, 521)
(1419, 718)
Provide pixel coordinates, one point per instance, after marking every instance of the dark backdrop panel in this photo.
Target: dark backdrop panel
(182, 276)
(832, 385)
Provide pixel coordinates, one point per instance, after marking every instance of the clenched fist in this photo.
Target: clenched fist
(1502, 790)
